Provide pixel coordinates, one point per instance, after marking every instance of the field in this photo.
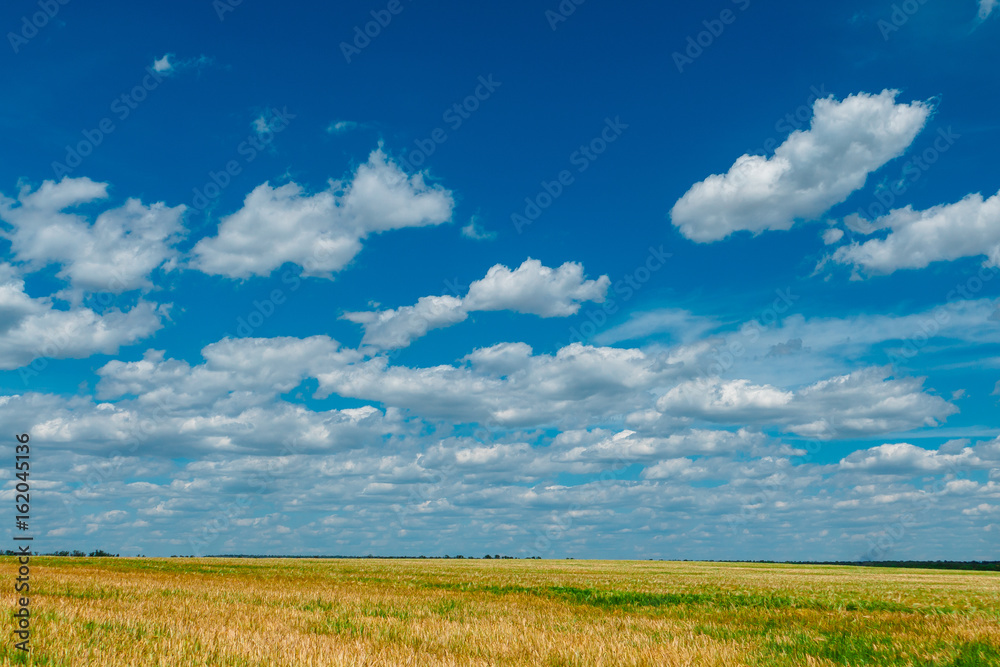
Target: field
(119, 612)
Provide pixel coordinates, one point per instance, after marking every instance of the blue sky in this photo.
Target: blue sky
(592, 280)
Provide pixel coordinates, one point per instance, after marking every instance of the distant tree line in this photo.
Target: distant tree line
(76, 553)
(969, 565)
(983, 565)
(371, 556)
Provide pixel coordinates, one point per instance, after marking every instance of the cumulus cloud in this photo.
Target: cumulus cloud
(223, 428)
(531, 289)
(503, 384)
(320, 232)
(454, 495)
(510, 385)
(474, 231)
(865, 402)
(799, 350)
(810, 172)
(535, 289)
(629, 447)
(235, 399)
(163, 64)
(260, 367)
(832, 235)
(168, 64)
(341, 126)
(395, 328)
(115, 252)
(315, 481)
(230, 403)
(906, 459)
(967, 228)
(33, 328)
(718, 399)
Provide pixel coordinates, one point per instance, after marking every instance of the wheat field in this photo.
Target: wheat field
(241, 612)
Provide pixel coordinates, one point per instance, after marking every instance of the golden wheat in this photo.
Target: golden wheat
(118, 612)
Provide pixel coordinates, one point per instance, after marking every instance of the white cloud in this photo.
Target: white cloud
(434, 494)
(682, 325)
(321, 232)
(270, 122)
(33, 328)
(986, 8)
(865, 402)
(341, 126)
(474, 231)
(507, 384)
(163, 64)
(536, 289)
(823, 347)
(260, 367)
(831, 236)
(168, 64)
(233, 400)
(396, 328)
(810, 172)
(530, 289)
(967, 228)
(223, 428)
(230, 403)
(714, 398)
(115, 253)
(905, 459)
(628, 446)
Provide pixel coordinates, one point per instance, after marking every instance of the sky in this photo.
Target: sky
(714, 280)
